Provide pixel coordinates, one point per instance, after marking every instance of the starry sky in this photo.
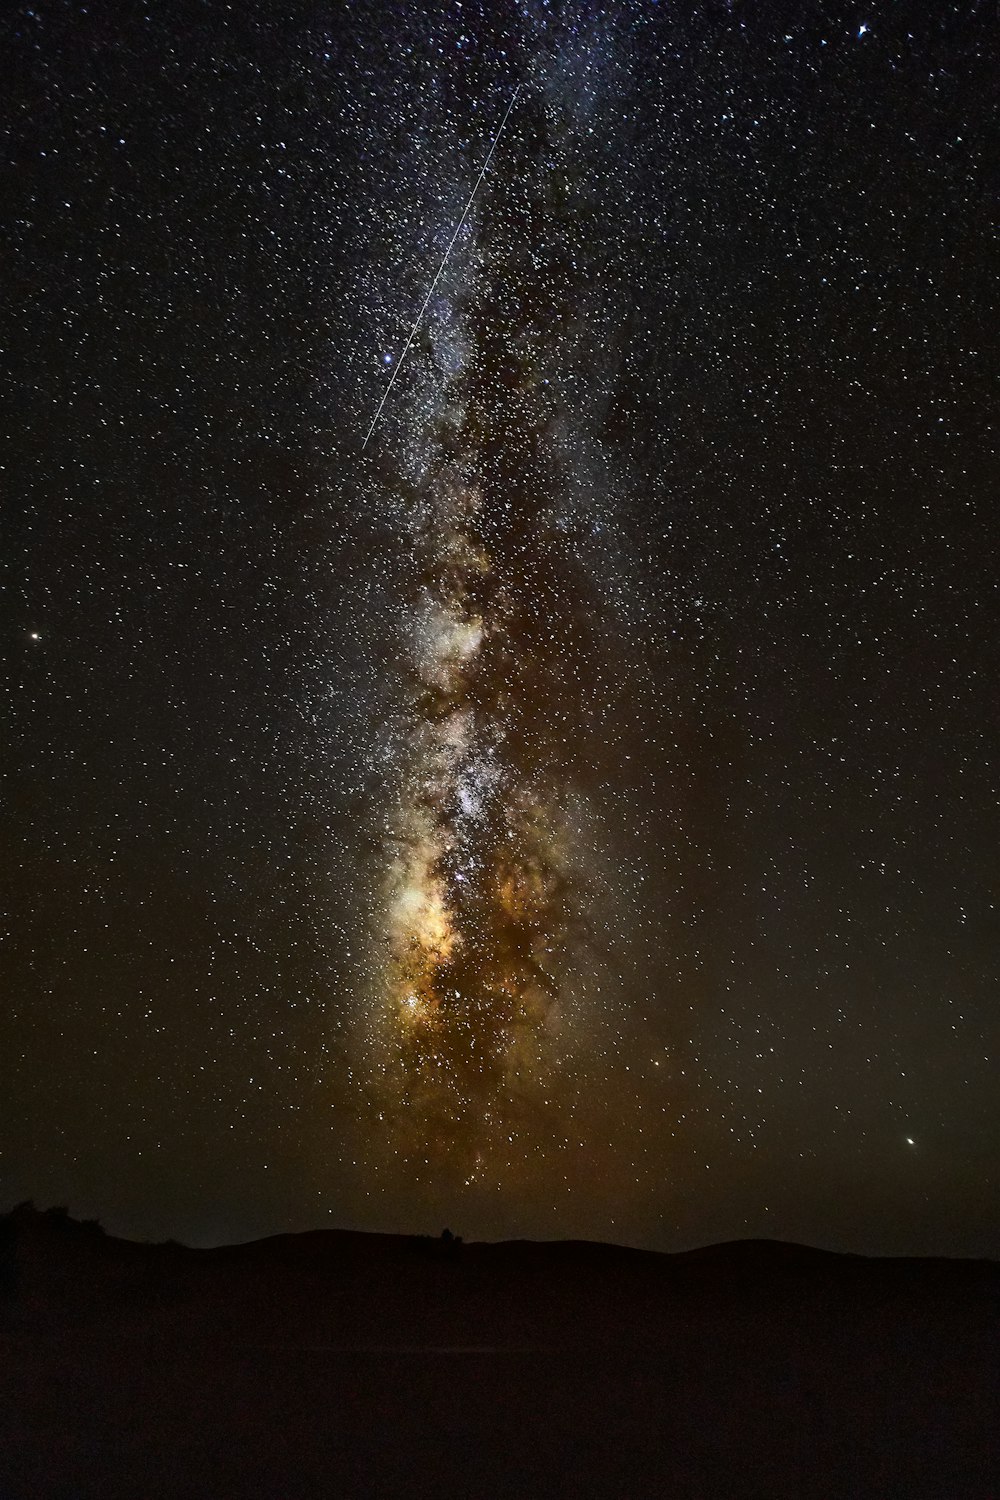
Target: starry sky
(573, 810)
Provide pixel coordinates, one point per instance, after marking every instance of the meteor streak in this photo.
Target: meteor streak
(444, 260)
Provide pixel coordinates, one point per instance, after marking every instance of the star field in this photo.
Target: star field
(713, 359)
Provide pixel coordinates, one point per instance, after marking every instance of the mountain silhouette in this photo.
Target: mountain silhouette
(340, 1363)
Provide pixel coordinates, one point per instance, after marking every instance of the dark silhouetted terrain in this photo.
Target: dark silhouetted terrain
(338, 1364)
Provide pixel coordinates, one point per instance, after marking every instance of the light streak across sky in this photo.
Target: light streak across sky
(444, 259)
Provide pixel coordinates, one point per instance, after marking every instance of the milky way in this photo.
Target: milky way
(486, 888)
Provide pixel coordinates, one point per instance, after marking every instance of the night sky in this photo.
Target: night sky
(573, 811)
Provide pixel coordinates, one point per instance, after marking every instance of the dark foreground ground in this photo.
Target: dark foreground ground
(363, 1365)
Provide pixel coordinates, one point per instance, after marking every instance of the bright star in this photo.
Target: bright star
(863, 29)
